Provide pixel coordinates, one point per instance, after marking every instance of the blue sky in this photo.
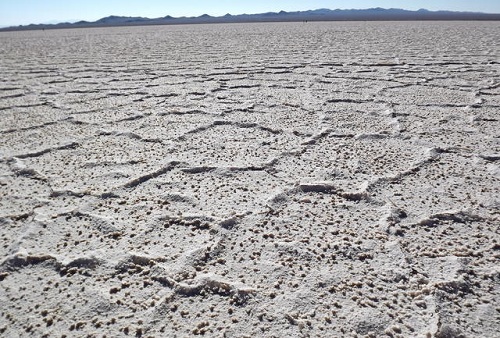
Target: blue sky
(22, 12)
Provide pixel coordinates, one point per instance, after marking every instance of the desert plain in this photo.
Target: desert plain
(335, 179)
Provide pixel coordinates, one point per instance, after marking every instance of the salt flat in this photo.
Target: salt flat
(251, 180)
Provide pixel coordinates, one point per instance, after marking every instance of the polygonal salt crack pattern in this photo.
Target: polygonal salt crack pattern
(262, 180)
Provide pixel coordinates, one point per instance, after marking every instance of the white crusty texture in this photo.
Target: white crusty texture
(251, 180)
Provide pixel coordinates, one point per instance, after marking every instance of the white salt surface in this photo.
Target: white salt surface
(259, 180)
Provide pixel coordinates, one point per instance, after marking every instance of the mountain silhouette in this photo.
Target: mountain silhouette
(322, 14)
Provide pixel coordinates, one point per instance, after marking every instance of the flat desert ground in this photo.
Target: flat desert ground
(251, 180)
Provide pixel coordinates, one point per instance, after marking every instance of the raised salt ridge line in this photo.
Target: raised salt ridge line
(71, 145)
(144, 178)
(19, 167)
(457, 216)
(22, 260)
(217, 285)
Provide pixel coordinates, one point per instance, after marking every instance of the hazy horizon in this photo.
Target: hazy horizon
(25, 12)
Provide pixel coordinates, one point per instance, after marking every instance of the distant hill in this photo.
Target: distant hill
(323, 14)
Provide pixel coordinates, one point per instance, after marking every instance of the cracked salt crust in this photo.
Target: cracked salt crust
(281, 179)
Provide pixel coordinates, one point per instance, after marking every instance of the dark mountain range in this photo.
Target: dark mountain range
(323, 14)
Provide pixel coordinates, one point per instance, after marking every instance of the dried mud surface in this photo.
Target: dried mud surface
(259, 180)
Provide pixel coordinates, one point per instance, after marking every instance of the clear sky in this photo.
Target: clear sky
(22, 12)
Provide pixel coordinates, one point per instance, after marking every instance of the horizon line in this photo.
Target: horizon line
(58, 22)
